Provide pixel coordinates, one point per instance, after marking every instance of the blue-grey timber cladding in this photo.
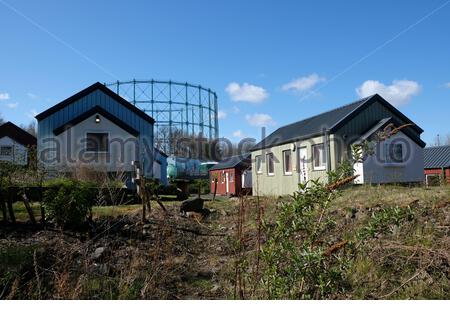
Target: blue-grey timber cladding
(99, 98)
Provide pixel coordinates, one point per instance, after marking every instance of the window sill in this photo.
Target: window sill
(319, 168)
(288, 174)
(271, 174)
(394, 165)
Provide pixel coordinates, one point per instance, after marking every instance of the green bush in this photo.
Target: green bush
(197, 184)
(297, 265)
(383, 220)
(68, 202)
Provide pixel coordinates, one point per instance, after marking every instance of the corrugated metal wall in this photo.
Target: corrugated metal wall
(47, 125)
(365, 120)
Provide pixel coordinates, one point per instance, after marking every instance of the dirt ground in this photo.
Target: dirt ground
(169, 256)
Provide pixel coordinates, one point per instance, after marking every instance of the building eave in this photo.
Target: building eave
(95, 110)
(96, 86)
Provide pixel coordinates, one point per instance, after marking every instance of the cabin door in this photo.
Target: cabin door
(302, 164)
(227, 181)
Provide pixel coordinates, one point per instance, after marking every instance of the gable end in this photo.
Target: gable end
(87, 91)
(91, 112)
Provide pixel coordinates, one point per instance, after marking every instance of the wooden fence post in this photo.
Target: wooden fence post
(10, 205)
(3, 205)
(26, 202)
(41, 197)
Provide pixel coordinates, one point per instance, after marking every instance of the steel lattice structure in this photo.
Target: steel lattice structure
(178, 108)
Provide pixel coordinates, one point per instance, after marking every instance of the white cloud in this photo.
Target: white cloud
(260, 120)
(398, 93)
(4, 96)
(32, 95)
(221, 114)
(303, 84)
(246, 93)
(12, 105)
(447, 85)
(238, 134)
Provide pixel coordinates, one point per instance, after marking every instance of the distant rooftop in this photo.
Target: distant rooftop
(233, 162)
(437, 157)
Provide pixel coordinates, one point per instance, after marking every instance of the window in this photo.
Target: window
(231, 177)
(258, 160)
(319, 157)
(5, 150)
(97, 142)
(270, 164)
(393, 153)
(287, 162)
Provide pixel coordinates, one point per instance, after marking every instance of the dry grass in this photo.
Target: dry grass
(164, 260)
(382, 195)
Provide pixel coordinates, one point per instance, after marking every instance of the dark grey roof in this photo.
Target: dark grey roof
(380, 125)
(327, 121)
(89, 90)
(9, 129)
(436, 157)
(232, 162)
(373, 130)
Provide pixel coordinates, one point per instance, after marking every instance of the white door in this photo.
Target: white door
(302, 157)
(227, 180)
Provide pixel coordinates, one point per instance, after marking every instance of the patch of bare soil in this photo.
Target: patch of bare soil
(167, 257)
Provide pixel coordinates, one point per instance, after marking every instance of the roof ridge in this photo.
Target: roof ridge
(362, 100)
(88, 90)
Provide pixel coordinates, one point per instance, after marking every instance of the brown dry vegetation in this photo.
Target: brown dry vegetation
(172, 257)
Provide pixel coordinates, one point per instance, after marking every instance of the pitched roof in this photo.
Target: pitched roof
(380, 125)
(327, 121)
(233, 162)
(91, 112)
(16, 133)
(436, 157)
(88, 90)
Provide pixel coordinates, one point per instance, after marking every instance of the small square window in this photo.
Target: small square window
(258, 160)
(319, 157)
(287, 162)
(97, 142)
(5, 150)
(270, 164)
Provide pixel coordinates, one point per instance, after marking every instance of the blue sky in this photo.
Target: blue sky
(270, 62)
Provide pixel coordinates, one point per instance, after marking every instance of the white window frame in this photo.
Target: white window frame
(322, 157)
(9, 154)
(259, 169)
(96, 151)
(270, 158)
(284, 152)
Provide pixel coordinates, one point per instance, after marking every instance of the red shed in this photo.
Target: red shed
(437, 163)
(233, 175)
